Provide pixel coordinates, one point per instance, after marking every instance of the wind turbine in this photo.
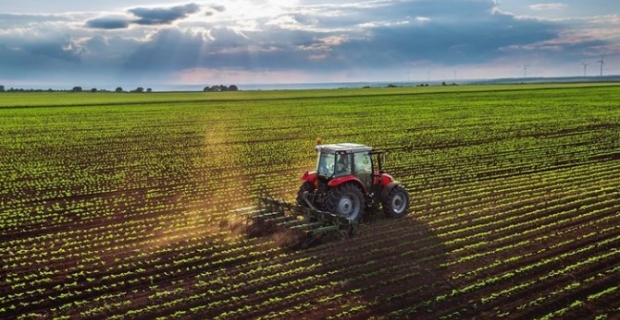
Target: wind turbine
(602, 62)
(525, 67)
(585, 68)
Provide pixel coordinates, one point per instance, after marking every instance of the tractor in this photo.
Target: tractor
(347, 184)
(349, 180)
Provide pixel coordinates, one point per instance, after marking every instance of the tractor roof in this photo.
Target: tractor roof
(338, 147)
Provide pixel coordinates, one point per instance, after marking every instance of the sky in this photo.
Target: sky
(152, 42)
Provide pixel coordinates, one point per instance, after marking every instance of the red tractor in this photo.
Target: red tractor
(348, 180)
(347, 183)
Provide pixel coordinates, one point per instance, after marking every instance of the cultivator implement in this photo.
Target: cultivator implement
(295, 226)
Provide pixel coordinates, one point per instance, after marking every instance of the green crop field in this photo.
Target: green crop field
(117, 206)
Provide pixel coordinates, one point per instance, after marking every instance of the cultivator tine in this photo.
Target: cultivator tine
(248, 211)
(291, 223)
(267, 216)
(306, 226)
(324, 229)
(284, 219)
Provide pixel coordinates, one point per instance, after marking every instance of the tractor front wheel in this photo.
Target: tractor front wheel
(396, 203)
(345, 200)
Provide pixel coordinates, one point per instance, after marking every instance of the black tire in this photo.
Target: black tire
(346, 200)
(396, 204)
(306, 186)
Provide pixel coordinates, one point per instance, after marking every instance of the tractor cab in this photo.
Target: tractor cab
(338, 160)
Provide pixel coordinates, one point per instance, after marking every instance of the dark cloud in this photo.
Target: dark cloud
(442, 41)
(213, 9)
(158, 16)
(108, 23)
(54, 51)
(36, 58)
(147, 16)
(217, 8)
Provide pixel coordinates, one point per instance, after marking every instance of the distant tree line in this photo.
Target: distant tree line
(391, 85)
(74, 89)
(118, 89)
(4, 89)
(215, 88)
(221, 87)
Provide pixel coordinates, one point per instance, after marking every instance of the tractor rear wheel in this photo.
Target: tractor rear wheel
(345, 200)
(396, 203)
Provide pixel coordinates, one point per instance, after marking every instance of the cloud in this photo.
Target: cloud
(37, 56)
(211, 10)
(157, 16)
(110, 22)
(547, 6)
(147, 16)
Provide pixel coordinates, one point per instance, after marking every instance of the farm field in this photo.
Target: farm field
(116, 206)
